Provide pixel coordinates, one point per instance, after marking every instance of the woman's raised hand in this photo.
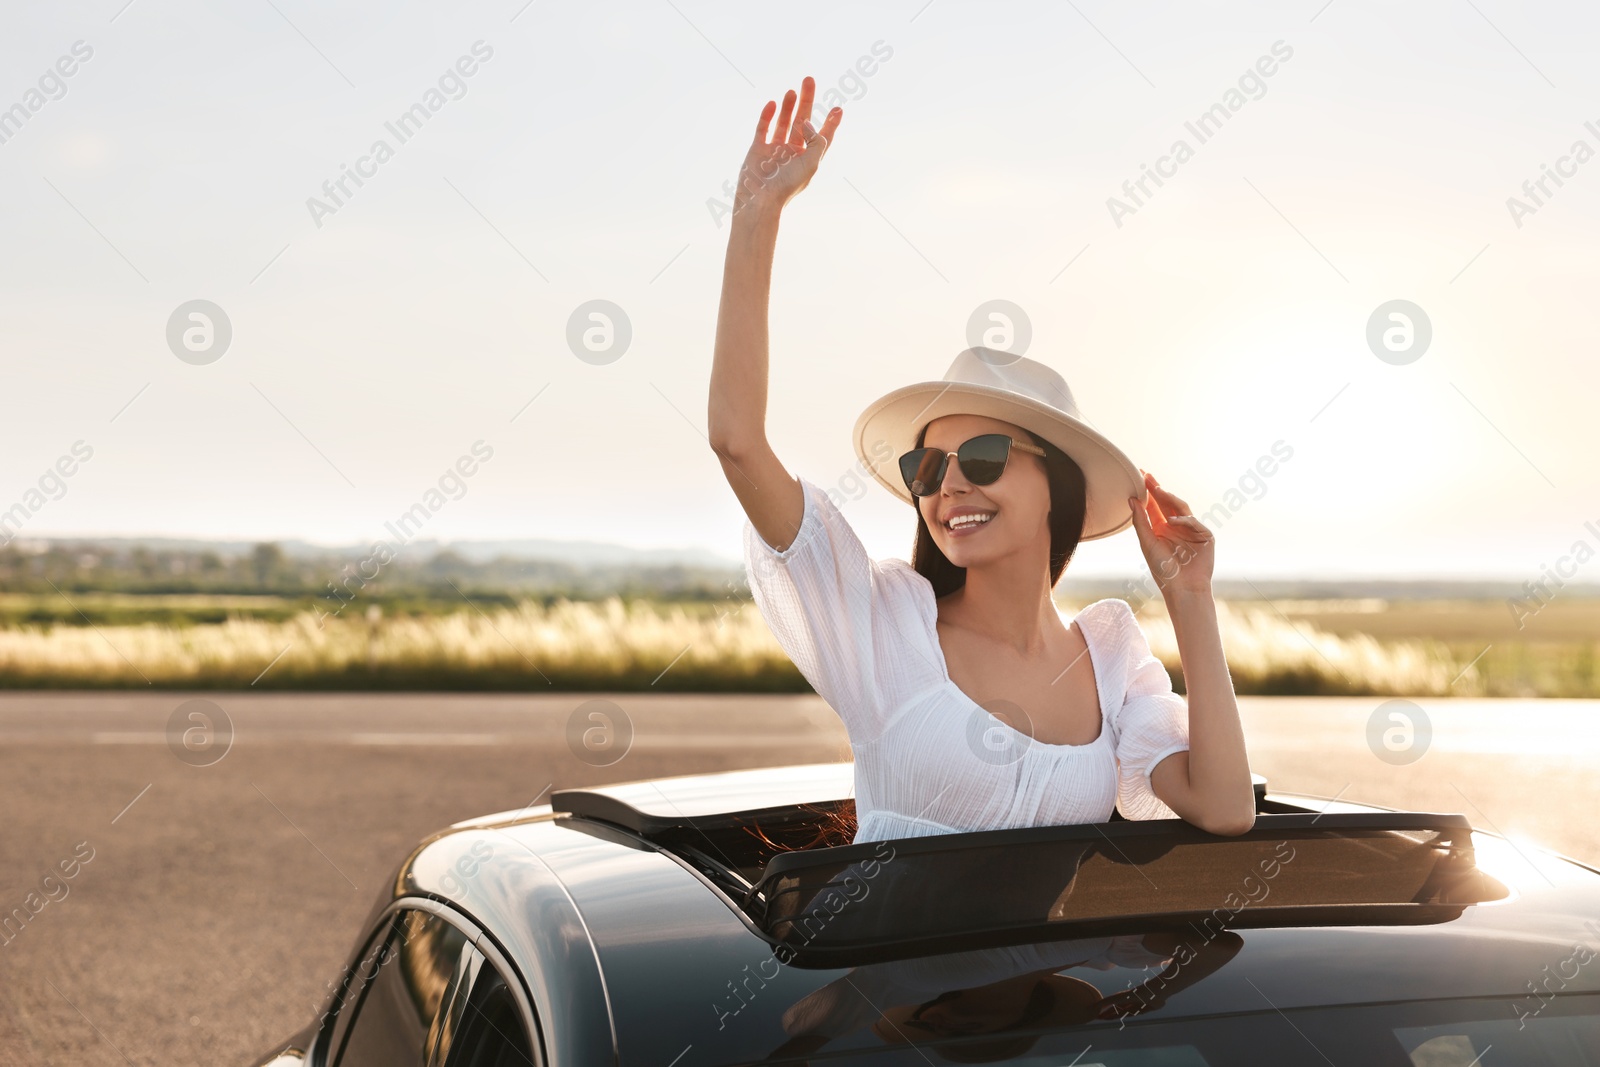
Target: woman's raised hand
(773, 171)
(1179, 548)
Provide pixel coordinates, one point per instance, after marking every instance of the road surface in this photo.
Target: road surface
(221, 894)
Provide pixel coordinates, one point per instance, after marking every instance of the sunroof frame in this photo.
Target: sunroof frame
(1266, 826)
(607, 804)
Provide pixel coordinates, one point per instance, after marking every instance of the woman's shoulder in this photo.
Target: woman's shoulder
(827, 540)
(1109, 626)
(828, 507)
(1108, 618)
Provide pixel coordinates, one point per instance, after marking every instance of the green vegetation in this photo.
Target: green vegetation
(81, 584)
(91, 616)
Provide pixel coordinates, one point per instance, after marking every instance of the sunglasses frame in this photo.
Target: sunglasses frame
(944, 462)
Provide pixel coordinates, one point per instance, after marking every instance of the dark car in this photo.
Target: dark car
(709, 920)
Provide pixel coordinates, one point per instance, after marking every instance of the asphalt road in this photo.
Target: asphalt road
(217, 884)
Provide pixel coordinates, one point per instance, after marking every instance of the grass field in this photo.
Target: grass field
(1438, 648)
(1555, 652)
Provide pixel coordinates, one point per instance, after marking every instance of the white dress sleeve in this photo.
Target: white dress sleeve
(828, 605)
(1152, 723)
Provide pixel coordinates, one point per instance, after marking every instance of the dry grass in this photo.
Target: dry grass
(641, 645)
(1268, 653)
(571, 645)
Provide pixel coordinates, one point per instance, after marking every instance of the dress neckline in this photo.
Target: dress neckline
(1100, 693)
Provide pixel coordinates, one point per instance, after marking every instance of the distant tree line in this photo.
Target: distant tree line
(266, 570)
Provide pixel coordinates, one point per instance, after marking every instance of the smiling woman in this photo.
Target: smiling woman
(970, 703)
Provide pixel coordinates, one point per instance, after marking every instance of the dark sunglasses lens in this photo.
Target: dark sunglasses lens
(983, 459)
(920, 469)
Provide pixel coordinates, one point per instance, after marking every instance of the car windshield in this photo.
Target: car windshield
(1563, 1031)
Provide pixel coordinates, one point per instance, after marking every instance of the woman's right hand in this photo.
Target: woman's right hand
(736, 410)
(774, 172)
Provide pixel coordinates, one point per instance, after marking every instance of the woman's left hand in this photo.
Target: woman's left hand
(1178, 547)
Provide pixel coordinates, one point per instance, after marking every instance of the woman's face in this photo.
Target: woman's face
(1018, 503)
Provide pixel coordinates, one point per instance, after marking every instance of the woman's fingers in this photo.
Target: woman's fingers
(831, 123)
(1148, 519)
(1167, 539)
(771, 164)
(1141, 519)
(817, 142)
(796, 110)
(808, 87)
(1168, 521)
(1154, 510)
(1189, 528)
(1152, 504)
(765, 121)
(780, 133)
(1170, 504)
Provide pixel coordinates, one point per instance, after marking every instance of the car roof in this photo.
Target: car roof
(632, 952)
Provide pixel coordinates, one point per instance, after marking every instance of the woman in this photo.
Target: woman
(1006, 478)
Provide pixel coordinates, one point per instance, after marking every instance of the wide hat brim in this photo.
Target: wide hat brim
(888, 429)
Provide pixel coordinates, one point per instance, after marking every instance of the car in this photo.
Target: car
(726, 919)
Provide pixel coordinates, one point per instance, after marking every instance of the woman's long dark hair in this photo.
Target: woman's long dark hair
(1068, 504)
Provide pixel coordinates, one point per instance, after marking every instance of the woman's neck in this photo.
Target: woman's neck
(1007, 602)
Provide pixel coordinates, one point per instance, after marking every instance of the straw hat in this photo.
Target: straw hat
(1014, 389)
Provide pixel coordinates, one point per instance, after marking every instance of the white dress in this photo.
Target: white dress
(928, 758)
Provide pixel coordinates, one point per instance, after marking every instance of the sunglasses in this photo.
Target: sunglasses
(982, 458)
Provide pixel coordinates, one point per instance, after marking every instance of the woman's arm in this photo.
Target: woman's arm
(772, 173)
(1209, 785)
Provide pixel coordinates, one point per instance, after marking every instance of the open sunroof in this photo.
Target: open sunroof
(751, 835)
(853, 904)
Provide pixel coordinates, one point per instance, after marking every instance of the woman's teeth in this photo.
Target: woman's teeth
(969, 519)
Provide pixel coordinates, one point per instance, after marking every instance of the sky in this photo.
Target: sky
(384, 340)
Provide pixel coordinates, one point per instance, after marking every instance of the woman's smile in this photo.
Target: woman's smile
(967, 520)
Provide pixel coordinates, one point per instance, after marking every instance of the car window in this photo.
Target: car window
(491, 1034)
(407, 979)
(451, 1015)
(343, 1009)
